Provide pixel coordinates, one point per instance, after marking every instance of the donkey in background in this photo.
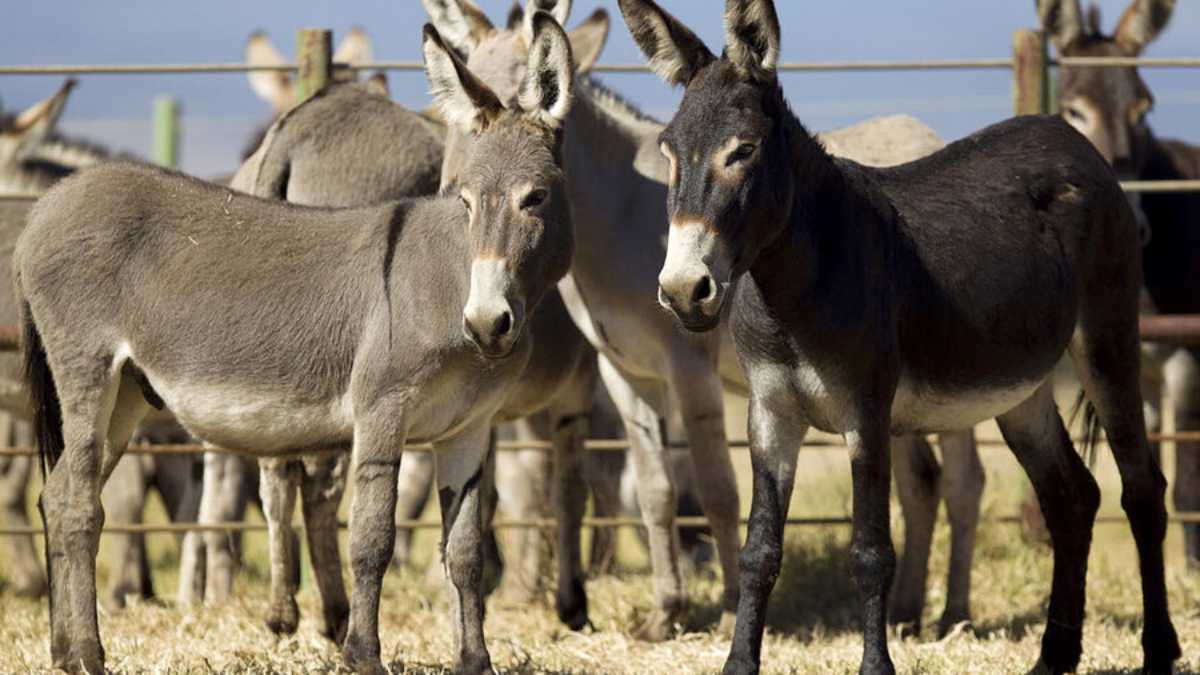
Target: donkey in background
(1110, 107)
(365, 324)
(852, 312)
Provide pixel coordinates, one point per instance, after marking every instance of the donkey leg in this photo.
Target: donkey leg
(378, 445)
(26, 574)
(698, 394)
(656, 498)
(962, 489)
(322, 487)
(1068, 497)
(123, 497)
(1110, 380)
(413, 486)
(602, 471)
(917, 473)
(1183, 383)
(523, 485)
(223, 500)
(460, 477)
(774, 446)
(278, 480)
(570, 431)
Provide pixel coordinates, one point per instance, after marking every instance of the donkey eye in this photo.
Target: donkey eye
(1075, 114)
(534, 199)
(465, 202)
(740, 154)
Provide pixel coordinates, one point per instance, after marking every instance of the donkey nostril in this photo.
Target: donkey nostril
(503, 325)
(703, 290)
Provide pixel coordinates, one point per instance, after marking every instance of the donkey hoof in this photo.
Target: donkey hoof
(1161, 647)
(337, 622)
(358, 661)
(476, 664)
(739, 664)
(727, 624)
(571, 604)
(660, 626)
(284, 618)
(89, 661)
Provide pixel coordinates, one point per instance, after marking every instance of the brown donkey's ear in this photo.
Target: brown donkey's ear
(752, 36)
(674, 52)
(1063, 22)
(516, 16)
(546, 89)
(378, 84)
(272, 86)
(588, 40)
(460, 22)
(35, 124)
(1143, 22)
(356, 47)
(465, 102)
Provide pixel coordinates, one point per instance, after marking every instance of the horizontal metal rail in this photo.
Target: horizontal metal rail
(682, 522)
(1003, 63)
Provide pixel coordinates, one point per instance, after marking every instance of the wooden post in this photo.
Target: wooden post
(314, 58)
(1031, 81)
(166, 132)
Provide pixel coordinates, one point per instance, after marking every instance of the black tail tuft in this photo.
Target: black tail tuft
(47, 415)
(1091, 427)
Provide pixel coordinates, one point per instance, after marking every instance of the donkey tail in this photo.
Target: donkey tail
(47, 413)
(1091, 427)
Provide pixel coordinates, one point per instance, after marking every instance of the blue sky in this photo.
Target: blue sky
(220, 110)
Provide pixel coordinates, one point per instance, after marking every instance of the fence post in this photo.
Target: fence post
(1031, 81)
(166, 132)
(314, 58)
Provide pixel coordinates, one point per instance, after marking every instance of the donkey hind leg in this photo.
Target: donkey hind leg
(378, 445)
(1069, 498)
(656, 498)
(962, 489)
(698, 394)
(413, 488)
(523, 484)
(460, 477)
(570, 425)
(123, 497)
(1105, 358)
(223, 500)
(774, 446)
(26, 572)
(98, 419)
(1183, 383)
(322, 487)
(279, 478)
(917, 478)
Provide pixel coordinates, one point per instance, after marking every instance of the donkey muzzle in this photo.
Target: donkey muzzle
(491, 321)
(690, 284)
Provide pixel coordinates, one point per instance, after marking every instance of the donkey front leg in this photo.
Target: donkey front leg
(917, 475)
(871, 553)
(413, 487)
(321, 489)
(775, 439)
(123, 498)
(223, 500)
(460, 478)
(278, 480)
(962, 489)
(656, 498)
(378, 445)
(1183, 383)
(25, 571)
(570, 431)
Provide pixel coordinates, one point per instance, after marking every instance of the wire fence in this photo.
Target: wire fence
(9, 338)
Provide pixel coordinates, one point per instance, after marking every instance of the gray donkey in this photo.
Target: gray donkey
(852, 312)
(385, 325)
(33, 157)
(1110, 107)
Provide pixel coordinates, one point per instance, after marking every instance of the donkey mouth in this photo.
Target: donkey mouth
(698, 322)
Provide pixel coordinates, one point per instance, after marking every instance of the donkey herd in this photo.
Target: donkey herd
(374, 277)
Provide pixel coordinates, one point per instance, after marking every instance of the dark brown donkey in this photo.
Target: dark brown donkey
(855, 313)
(1109, 106)
(278, 328)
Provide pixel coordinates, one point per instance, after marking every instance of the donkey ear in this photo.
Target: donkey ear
(1063, 22)
(465, 102)
(546, 89)
(560, 10)
(516, 16)
(461, 23)
(674, 52)
(272, 86)
(1142, 22)
(378, 84)
(356, 47)
(35, 124)
(588, 40)
(752, 36)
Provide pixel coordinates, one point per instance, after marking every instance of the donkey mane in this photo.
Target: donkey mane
(611, 102)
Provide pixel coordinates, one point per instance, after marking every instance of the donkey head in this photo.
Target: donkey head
(729, 150)
(1107, 105)
(499, 57)
(276, 86)
(511, 182)
(20, 136)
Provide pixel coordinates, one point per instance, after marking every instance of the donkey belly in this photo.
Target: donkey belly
(920, 408)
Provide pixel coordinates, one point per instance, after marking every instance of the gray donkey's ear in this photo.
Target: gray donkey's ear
(460, 22)
(752, 36)
(588, 40)
(1143, 22)
(1063, 22)
(465, 101)
(546, 89)
(559, 9)
(674, 51)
